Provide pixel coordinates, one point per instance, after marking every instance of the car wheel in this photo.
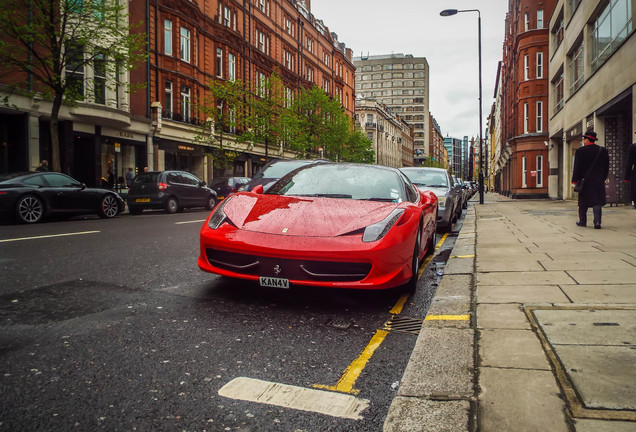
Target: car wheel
(430, 249)
(172, 206)
(135, 210)
(108, 207)
(29, 209)
(211, 203)
(415, 264)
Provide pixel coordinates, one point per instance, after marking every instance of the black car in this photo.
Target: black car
(274, 170)
(32, 196)
(224, 186)
(171, 191)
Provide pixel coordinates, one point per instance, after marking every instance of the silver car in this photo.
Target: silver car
(441, 184)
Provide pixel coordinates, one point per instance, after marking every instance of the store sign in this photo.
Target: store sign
(117, 147)
(185, 147)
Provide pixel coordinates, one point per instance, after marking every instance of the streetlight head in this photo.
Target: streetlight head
(448, 12)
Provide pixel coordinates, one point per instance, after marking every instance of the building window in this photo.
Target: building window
(185, 44)
(262, 84)
(539, 116)
(524, 171)
(262, 42)
(185, 103)
(576, 68)
(168, 100)
(539, 65)
(526, 67)
(231, 67)
(557, 31)
(574, 4)
(167, 37)
(99, 78)
(609, 30)
(557, 90)
(526, 21)
(75, 71)
(525, 118)
(540, 19)
(539, 171)
(227, 17)
(219, 62)
(289, 60)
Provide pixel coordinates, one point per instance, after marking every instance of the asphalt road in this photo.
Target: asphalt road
(110, 325)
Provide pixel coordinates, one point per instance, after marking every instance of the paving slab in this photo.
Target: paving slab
(501, 316)
(525, 277)
(603, 376)
(452, 296)
(441, 365)
(585, 425)
(615, 294)
(460, 264)
(408, 414)
(588, 326)
(599, 277)
(520, 400)
(583, 262)
(512, 349)
(521, 294)
(508, 264)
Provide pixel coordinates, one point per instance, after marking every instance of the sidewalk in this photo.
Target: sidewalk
(549, 343)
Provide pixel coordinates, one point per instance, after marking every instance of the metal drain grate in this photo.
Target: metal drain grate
(404, 324)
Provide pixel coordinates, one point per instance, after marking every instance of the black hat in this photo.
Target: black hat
(591, 135)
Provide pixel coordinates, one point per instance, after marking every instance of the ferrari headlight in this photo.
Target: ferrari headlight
(218, 217)
(378, 230)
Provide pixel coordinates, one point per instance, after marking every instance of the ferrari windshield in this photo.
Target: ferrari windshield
(426, 177)
(348, 181)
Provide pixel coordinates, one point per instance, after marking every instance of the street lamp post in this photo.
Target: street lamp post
(449, 12)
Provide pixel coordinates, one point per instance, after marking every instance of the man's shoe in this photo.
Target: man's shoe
(597, 226)
(581, 224)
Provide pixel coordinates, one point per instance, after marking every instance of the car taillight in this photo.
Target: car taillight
(163, 186)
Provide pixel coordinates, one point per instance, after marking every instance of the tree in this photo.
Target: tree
(47, 45)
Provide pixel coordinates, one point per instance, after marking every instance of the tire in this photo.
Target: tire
(211, 203)
(108, 207)
(430, 249)
(172, 206)
(411, 285)
(29, 209)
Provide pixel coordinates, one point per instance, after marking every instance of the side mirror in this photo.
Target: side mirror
(201, 183)
(258, 189)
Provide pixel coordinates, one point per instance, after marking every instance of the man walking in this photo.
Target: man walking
(591, 166)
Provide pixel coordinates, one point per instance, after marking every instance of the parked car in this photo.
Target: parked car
(438, 181)
(171, 191)
(273, 170)
(325, 225)
(224, 186)
(32, 196)
(458, 185)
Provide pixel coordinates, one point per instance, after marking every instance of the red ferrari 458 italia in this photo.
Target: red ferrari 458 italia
(327, 225)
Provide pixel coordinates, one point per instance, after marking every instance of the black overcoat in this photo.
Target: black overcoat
(630, 173)
(594, 191)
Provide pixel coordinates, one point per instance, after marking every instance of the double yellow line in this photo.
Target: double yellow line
(348, 379)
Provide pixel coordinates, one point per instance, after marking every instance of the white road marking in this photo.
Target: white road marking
(187, 222)
(288, 396)
(48, 236)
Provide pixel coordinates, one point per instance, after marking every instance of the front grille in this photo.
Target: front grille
(326, 271)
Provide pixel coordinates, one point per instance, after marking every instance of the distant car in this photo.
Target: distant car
(33, 196)
(458, 185)
(171, 191)
(275, 169)
(438, 181)
(224, 186)
(324, 225)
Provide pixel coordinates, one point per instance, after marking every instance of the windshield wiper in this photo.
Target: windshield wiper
(381, 199)
(325, 195)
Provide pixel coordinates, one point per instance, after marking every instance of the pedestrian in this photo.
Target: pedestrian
(130, 176)
(111, 179)
(44, 166)
(630, 172)
(591, 168)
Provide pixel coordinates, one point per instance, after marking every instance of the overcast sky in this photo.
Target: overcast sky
(377, 27)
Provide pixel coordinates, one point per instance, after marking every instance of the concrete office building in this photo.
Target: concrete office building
(400, 82)
(592, 85)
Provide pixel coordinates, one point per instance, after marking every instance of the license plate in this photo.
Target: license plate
(274, 282)
(221, 197)
(142, 200)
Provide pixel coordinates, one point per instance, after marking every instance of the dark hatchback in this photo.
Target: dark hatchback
(171, 191)
(30, 197)
(224, 186)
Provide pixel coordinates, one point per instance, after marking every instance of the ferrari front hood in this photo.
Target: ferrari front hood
(300, 216)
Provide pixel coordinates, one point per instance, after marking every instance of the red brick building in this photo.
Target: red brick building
(524, 155)
(195, 41)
